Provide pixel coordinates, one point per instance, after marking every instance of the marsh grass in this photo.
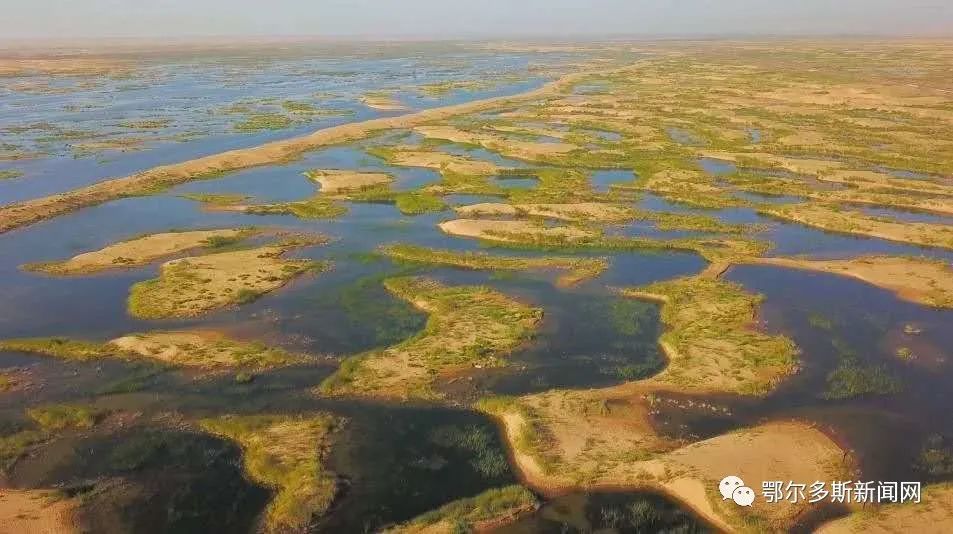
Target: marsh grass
(285, 453)
(418, 202)
(466, 326)
(316, 207)
(579, 269)
(464, 514)
(711, 340)
(57, 417)
(59, 347)
(264, 121)
(216, 199)
(853, 377)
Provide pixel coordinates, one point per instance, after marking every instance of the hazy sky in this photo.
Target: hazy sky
(469, 18)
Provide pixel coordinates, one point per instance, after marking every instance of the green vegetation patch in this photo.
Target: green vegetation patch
(192, 286)
(854, 377)
(711, 343)
(194, 349)
(418, 202)
(9, 174)
(58, 347)
(468, 326)
(56, 417)
(216, 199)
(316, 207)
(578, 269)
(264, 121)
(285, 453)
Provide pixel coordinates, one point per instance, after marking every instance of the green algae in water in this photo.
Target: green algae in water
(264, 121)
(370, 311)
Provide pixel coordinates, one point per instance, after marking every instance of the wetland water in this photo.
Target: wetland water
(396, 460)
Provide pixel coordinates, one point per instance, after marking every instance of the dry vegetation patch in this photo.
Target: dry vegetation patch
(488, 510)
(285, 453)
(200, 349)
(577, 269)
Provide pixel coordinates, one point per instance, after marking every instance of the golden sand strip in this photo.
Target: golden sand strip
(920, 280)
(36, 511)
(934, 514)
(29, 212)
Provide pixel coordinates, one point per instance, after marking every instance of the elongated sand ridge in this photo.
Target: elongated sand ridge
(141, 251)
(158, 178)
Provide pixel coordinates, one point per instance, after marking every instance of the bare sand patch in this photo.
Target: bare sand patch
(197, 349)
(487, 209)
(37, 512)
(141, 251)
(335, 181)
(920, 280)
(511, 231)
(204, 349)
(508, 147)
(563, 441)
(62, 66)
(934, 513)
(580, 211)
(382, 102)
(442, 161)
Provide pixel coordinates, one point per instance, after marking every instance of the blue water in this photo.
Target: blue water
(601, 180)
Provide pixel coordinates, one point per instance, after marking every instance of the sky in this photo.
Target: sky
(384, 19)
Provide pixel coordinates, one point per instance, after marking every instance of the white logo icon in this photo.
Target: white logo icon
(728, 485)
(732, 487)
(743, 496)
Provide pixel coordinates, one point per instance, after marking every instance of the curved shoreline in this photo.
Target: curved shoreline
(28, 212)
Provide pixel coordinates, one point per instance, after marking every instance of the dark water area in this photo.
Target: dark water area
(608, 513)
(896, 353)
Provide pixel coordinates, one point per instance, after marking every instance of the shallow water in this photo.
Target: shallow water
(391, 458)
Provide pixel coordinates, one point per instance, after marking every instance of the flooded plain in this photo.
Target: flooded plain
(873, 369)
